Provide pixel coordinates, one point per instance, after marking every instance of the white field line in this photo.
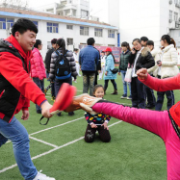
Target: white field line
(52, 150)
(43, 142)
(57, 126)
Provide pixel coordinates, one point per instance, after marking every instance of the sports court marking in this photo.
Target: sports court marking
(68, 122)
(52, 150)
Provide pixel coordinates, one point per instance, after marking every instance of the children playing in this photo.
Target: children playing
(98, 122)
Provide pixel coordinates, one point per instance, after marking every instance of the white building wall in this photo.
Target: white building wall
(65, 33)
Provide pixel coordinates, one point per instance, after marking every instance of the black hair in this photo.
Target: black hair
(23, 25)
(91, 41)
(102, 52)
(126, 44)
(54, 41)
(150, 43)
(96, 87)
(136, 39)
(76, 49)
(38, 42)
(62, 44)
(168, 39)
(110, 53)
(144, 38)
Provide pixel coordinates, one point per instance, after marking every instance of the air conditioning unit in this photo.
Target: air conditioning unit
(170, 20)
(170, 1)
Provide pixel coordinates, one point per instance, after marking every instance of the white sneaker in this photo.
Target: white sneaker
(41, 176)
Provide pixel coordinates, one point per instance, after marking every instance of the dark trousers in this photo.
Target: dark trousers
(88, 82)
(40, 84)
(160, 99)
(95, 80)
(138, 94)
(51, 86)
(91, 132)
(149, 93)
(58, 83)
(113, 83)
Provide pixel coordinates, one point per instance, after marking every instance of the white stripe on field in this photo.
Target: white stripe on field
(57, 126)
(52, 150)
(44, 142)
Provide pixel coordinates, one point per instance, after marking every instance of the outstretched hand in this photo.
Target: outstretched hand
(142, 74)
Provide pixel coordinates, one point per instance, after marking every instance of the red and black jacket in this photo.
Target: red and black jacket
(16, 87)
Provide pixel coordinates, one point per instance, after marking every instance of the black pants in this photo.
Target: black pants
(149, 93)
(59, 83)
(113, 83)
(103, 134)
(95, 80)
(160, 99)
(138, 94)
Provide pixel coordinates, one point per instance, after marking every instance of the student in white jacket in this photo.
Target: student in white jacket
(103, 62)
(167, 67)
(75, 54)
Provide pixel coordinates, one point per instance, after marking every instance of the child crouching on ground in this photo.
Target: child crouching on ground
(98, 122)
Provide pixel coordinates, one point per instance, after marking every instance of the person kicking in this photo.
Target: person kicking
(16, 91)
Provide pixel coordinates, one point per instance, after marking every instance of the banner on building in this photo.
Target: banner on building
(115, 50)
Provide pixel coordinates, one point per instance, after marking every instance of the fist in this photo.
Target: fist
(142, 74)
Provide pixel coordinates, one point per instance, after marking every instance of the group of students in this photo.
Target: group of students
(161, 63)
(17, 89)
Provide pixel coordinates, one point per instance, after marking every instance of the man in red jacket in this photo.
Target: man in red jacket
(16, 91)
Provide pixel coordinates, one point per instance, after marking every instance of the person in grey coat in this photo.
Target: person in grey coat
(61, 49)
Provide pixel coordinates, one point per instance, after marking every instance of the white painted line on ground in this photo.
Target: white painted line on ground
(57, 126)
(44, 142)
(52, 150)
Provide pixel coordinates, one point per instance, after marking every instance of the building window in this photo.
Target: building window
(70, 27)
(175, 16)
(98, 32)
(69, 41)
(84, 31)
(36, 23)
(170, 15)
(74, 12)
(52, 27)
(67, 12)
(84, 14)
(111, 33)
(6, 23)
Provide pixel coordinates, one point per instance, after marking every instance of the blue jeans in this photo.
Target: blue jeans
(40, 84)
(17, 133)
(123, 74)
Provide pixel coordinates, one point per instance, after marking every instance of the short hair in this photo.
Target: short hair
(150, 43)
(22, 25)
(91, 41)
(137, 39)
(102, 52)
(54, 41)
(144, 38)
(76, 49)
(38, 42)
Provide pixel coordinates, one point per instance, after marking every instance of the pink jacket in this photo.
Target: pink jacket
(37, 65)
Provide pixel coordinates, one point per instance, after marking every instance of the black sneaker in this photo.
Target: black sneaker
(148, 106)
(38, 111)
(124, 96)
(71, 114)
(130, 97)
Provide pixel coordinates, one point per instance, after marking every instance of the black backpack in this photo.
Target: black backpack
(62, 68)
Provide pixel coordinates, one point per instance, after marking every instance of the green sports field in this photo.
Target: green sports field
(59, 150)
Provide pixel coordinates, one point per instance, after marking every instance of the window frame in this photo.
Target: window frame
(84, 31)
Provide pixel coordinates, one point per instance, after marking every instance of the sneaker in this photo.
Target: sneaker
(38, 111)
(124, 96)
(45, 91)
(83, 100)
(148, 106)
(53, 98)
(71, 113)
(130, 97)
(41, 176)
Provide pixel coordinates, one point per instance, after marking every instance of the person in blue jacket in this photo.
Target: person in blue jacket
(88, 60)
(109, 66)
